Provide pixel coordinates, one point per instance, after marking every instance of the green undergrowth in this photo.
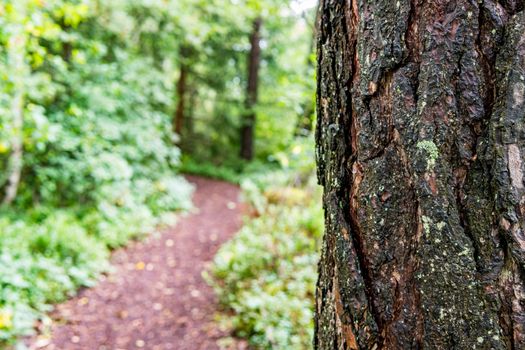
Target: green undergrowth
(98, 166)
(265, 276)
(88, 156)
(46, 254)
(234, 171)
(208, 169)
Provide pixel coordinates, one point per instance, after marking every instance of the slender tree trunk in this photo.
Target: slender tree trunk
(306, 119)
(178, 120)
(17, 63)
(420, 143)
(15, 164)
(188, 142)
(248, 126)
(191, 112)
(67, 46)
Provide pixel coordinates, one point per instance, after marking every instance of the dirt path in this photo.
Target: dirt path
(156, 299)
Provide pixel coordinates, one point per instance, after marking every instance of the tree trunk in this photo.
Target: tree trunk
(193, 94)
(67, 46)
(307, 117)
(19, 71)
(248, 123)
(420, 143)
(178, 120)
(187, 143)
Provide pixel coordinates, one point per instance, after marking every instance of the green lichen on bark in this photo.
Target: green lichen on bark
(432, 152)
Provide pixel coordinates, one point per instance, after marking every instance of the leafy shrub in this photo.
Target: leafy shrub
(43, 263)
(265, 276)
(225, 173)
(95, 83)
(233, 172)
(47, 253)
(99, 164)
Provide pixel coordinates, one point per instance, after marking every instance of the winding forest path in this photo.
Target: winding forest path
(156, 299)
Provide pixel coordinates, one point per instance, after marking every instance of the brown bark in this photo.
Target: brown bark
(248, 123)
(420, 144)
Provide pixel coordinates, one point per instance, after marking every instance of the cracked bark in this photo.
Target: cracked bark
(420, 143)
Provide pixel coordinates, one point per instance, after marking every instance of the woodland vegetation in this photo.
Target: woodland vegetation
(420, 149)
(104, 103)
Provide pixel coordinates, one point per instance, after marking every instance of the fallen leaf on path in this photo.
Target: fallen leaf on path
(41, 342)
(75, 339)
(123, 314)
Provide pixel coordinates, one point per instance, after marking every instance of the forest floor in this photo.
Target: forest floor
(156, 298)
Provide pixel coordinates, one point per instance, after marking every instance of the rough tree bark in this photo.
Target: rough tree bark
(248, 123)
(420, 144)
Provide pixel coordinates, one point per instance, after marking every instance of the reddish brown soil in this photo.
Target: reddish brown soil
(156, 299)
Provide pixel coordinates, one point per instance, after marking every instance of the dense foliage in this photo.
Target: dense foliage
(88, 154)
(97, 162)
(265, 277)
